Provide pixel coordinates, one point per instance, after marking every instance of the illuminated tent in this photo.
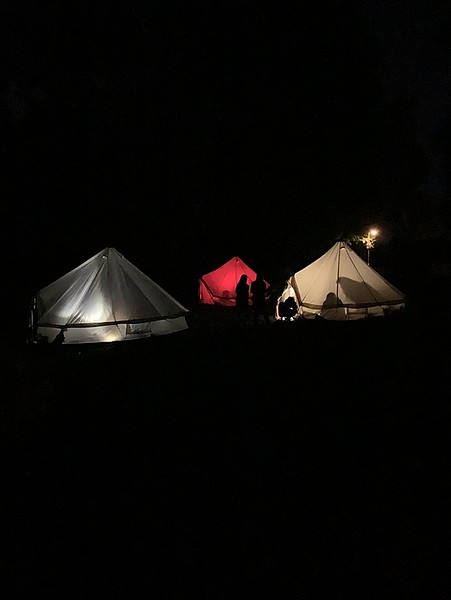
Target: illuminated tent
(106, 299)
(340, 286)
(218, 287)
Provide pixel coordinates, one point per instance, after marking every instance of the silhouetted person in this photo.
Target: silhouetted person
(288, 309)
(59, 338)
(332, 308)
(331, 301)
(242, 298)
(258, 292)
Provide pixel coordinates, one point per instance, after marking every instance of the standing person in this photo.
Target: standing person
(242, 298)
(258, 291)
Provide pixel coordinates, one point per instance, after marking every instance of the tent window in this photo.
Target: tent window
(138, 328)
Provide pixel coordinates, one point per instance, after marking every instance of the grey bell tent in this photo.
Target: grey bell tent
(340, 286)
(105, 299)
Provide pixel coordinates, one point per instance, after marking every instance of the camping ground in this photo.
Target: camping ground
(289, 460)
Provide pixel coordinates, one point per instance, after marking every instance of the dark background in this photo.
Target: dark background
(187, 133)
(307, 461)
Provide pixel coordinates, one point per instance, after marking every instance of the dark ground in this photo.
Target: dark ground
(294, 460)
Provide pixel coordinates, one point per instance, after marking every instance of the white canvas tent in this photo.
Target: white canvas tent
(340, 286)
(105, 299)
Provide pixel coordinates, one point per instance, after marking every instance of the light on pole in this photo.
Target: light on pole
(370, 239)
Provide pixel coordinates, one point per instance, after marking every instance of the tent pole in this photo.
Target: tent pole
(338, 276)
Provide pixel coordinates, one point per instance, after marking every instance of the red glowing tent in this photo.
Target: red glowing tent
(218, 287)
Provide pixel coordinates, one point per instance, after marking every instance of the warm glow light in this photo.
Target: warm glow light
(112, 336)
(94, 310)
(369, 241)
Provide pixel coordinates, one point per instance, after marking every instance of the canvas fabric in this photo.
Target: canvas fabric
(107, 298)
(339, 286)
(218, 286)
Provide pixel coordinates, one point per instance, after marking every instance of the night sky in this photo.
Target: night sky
(231, 460)
(187, 133)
